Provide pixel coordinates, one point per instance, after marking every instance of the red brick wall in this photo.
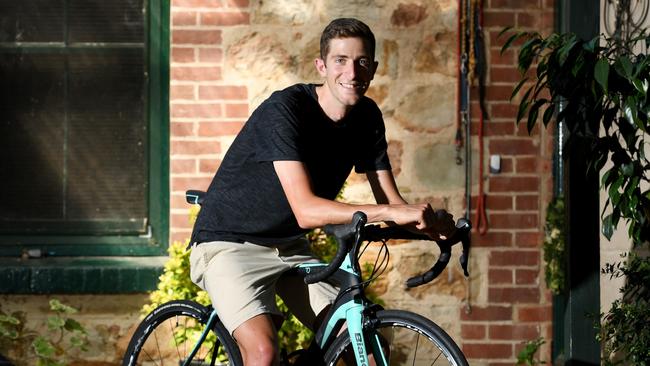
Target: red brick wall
(205, 110)
(518, 306)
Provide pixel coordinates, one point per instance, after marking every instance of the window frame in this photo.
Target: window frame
(155, 242)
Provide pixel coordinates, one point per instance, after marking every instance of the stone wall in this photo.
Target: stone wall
(229, 55)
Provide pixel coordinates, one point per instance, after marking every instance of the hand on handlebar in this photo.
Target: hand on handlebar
(438, 224)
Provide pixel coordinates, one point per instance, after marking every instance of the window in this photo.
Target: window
(84, 127)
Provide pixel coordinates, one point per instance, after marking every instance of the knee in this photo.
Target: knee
(263, 352)
(257, 340)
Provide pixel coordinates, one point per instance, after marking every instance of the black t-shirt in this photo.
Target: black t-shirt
(245, 201)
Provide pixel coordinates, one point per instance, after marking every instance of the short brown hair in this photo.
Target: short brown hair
(347, 28)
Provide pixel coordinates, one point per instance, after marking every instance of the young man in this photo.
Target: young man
(280, 178)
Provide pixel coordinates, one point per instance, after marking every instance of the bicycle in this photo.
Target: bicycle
(354, 330)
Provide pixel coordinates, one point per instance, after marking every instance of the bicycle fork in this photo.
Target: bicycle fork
(353, 313)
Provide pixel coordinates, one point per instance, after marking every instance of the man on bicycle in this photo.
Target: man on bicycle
(279, 179)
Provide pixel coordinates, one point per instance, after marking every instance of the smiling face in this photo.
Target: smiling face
(348, 69)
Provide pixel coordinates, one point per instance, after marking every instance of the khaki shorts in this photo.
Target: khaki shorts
(242, 280)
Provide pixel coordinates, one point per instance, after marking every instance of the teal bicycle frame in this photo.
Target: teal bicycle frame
(350, 308)
(212, 320)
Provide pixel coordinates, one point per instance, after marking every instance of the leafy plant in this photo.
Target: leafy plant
(554, 247)
(625, 324)
(175, 283)
(527, 355)
(12, 334)
(323, 246)
(595, 89)
(22, 345)
(599, 88)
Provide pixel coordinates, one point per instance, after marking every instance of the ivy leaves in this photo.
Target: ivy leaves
(555, 256)
(64, 337)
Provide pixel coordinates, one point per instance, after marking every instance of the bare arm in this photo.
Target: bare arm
(384, 187)
(312, 211)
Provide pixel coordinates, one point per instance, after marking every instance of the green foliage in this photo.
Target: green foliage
(175, 282)
(367, 270)
(527, 355)
(12, 331)
(554, 247)
(293, 334)
(625, 327)
(323, 246)
(25, 346)
(600, 89)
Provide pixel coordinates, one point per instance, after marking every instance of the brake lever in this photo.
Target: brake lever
(466, 243)
(343, 234)
(463, 227)
(464, 258)
(431, 274)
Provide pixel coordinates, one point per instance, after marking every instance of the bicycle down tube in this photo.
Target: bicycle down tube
(348, 309)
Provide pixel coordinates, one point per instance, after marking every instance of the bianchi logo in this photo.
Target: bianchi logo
(362, 352)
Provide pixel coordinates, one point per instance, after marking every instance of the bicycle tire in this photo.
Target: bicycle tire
(411, 339)
(168, 334)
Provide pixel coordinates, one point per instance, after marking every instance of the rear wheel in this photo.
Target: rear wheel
(407, 339)
(168, 335)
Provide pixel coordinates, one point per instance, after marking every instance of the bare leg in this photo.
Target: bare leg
(258, 341)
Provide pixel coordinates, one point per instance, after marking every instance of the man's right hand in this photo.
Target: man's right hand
(437, 224)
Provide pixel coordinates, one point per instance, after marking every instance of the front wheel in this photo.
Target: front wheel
(406, 339)
(168, 335)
